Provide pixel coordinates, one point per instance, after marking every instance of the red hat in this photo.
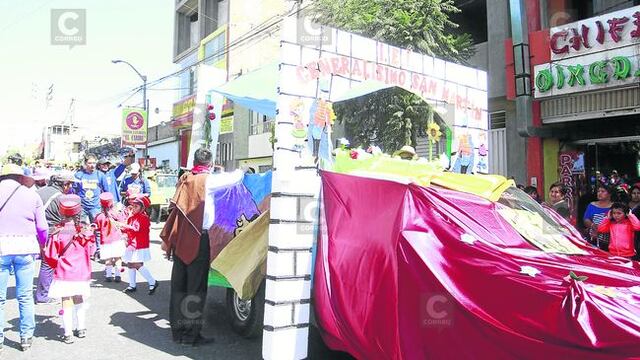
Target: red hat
(142, 200)
(70, 205)
(106, 199)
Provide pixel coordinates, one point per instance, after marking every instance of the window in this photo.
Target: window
(562, 12)
(264, 168)
(498, 120)
(224, 153)
(214, 50)
(215, 15)
(194, 31)
(259, 123)
(472, 19)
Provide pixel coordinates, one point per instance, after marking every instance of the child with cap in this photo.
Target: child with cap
(68, 253)
(137, 253)
(112, 241)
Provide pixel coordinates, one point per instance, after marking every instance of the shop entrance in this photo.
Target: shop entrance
(606, 155)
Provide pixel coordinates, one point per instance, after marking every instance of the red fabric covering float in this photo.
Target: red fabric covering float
(394, 280)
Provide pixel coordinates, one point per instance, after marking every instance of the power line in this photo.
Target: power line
(261, 28)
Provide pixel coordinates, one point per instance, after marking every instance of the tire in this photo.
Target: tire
(246, 317)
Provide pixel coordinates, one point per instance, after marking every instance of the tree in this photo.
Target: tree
(394, 117)
(420, 25)
(389, 118)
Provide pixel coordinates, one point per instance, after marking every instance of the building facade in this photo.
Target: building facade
(584, 93)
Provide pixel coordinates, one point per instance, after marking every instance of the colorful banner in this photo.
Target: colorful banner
(134, 127)
(182, 114)
(238, 204)
(226, 125)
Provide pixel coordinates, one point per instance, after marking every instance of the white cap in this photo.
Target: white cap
(135, 168)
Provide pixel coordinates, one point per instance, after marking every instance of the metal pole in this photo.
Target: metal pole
(146, 109)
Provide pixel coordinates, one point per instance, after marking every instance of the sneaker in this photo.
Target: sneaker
(25, 344)
(117, 278)
(67, 339)
(129, 289)
(82, 333)
(152, 288)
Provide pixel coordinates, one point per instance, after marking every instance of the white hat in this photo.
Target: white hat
(12, 169)
(135, 168)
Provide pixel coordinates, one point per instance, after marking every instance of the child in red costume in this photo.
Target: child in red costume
(68, 252)
(112, 240)
(137, 253)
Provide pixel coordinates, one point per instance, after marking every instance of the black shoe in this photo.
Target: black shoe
(201, 340)
(67, 339)
(82, 333)
(152, 288)
(117, 279)
(129, 289)
(25, 344)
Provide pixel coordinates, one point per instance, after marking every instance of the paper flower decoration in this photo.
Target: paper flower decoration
(353, 154)
(433, 131)
(529, 270)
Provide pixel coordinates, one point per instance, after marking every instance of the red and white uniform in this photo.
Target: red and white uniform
(112, 240)
(72, 268)
(138, 244)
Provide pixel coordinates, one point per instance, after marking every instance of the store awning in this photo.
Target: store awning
(256, 90)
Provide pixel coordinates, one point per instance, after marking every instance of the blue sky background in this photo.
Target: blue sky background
(139, 31)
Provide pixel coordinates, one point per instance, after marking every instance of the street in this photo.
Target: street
(137, 326)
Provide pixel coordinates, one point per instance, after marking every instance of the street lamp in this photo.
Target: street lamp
(144, 81)
(144, 101)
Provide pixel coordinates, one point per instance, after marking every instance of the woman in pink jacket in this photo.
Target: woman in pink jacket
(622, 225)
(68, 253)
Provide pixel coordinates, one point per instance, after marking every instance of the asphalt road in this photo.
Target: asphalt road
(135, 326)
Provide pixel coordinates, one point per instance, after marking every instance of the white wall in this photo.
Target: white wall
(259, 145)
(168, 151)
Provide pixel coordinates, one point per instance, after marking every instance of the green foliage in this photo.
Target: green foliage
(420, 25)
(390, 119)
(394, 117)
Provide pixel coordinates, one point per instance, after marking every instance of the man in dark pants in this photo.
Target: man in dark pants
(186, 241)
(61, 183)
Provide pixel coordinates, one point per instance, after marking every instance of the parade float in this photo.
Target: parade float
(406, 259)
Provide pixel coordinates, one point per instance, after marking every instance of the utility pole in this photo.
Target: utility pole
(145, 104)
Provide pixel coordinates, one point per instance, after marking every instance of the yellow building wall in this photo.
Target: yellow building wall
(551, 148)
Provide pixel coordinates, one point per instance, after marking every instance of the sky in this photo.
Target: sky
(138, 31)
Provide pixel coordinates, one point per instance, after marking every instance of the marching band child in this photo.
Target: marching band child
(68, 253)
(137, 253)
(111, 238)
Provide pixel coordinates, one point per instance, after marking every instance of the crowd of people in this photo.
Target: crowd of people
(67, 219)
(607, 215)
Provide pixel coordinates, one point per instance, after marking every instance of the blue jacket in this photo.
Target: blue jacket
(111, 181)
(143, 183)
(89, 189)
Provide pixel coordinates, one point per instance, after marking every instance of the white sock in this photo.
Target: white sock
(109, 271)
(67, 320)
(144, 271)
(81, 315)
(132, 278)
